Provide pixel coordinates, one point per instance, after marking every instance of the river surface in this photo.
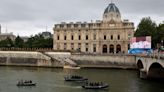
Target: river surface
(51, 80)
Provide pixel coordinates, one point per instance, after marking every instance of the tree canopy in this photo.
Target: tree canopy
(19, 43)
(37, 41)
(147, 27)
(6, 43)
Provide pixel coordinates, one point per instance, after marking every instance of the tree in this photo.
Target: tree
(160, 32)
(19, 43)
(7, 43)
(147, 28)
(38, 41)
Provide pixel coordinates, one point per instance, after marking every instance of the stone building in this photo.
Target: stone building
(109, 35)
(6, 35)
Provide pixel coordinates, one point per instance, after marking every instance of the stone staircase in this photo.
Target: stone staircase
(62, 60)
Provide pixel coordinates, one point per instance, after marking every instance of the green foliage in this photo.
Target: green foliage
(160, 33)
(6, 43)
(38, 41)
(148, 28)
(19, 43)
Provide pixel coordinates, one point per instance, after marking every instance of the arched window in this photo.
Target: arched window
(118, 48)
(111, 48)
(104, 48)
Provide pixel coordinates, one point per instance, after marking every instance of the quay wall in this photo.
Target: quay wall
(56, 59)
(105, 61)
(20, 58)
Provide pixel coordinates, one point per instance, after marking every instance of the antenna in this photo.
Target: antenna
(46, 28)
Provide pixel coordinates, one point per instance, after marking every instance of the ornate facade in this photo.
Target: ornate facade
(109, 35)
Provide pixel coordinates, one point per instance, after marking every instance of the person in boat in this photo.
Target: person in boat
(30, 81)
(20, 82)
(94, 84)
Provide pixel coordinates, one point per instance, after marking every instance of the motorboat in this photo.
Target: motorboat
(74, 78)
(95, 85)
(71, 67)
(26, 83)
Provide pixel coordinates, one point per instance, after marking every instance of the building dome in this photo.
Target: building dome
(112, 13)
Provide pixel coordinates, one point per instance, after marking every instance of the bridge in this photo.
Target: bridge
(150, 66)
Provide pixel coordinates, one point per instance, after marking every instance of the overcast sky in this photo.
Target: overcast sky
(29, 17)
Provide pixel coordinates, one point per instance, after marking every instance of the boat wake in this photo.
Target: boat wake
(65, 86)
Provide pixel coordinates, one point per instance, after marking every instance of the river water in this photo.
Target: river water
(51, 80)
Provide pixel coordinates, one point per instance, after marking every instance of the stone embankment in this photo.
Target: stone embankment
(21, 58)
(59, 59)
(105, 61)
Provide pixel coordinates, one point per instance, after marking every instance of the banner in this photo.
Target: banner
(140, 42)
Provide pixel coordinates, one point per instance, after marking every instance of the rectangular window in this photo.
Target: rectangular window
(72, 37)
(104, 37)
(69, 25)
(79, 44)
(75, 25)
(61, 26)
(83, 25)
(118, 37)
(94, 36)
(58, 38)
(58, 46)
(86, 49)
(86, 37)
(65, 46)
(79, 37)
(65, 37)
(94, 47)
(129, 36)
(78, 49)
(72, 46)
(128, 46)
(90, 25)
(111, 37)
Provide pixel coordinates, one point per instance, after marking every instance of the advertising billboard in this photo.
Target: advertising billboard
(140, 42)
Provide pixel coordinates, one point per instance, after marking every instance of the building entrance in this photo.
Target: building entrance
(104, 48)
(111, 49)
(118, 48)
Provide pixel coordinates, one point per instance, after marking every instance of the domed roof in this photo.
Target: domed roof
(111, 8)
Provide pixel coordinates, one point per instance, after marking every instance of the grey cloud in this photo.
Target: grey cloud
(40, 13)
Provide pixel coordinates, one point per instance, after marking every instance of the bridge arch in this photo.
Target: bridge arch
(140, 64)
(156, 71)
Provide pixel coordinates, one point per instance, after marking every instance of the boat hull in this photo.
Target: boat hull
(96, 87)
(70, 67)
(33, 84)
(84, 79)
